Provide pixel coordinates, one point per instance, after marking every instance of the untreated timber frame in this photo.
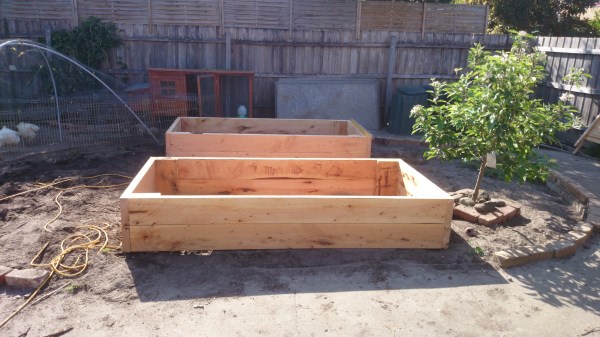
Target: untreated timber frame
(267, 138)
(178, 204)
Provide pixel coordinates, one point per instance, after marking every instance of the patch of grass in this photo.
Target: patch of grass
(72, 289)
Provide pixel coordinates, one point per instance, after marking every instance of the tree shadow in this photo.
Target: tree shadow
(572, 281)
(172, 276)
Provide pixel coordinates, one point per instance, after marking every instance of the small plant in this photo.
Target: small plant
(72, 288)
(491, 112)
(479, 251)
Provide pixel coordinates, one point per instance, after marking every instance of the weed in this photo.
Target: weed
(72, 289)
(479, 251)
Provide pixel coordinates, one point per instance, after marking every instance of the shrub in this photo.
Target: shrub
(491, 109)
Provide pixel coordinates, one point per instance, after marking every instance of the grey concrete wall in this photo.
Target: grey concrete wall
(327, 98)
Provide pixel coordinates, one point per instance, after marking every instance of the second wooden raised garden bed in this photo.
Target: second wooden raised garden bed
(267, 138)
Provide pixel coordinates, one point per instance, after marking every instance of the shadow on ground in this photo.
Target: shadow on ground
(573, 281)
(167, 277)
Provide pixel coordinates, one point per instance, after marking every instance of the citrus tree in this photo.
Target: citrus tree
(491, 112)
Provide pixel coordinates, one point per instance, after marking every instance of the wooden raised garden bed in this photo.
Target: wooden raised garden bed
(176, 204)
(267, 138)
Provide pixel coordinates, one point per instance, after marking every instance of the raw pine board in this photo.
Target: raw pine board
(235, 203)
(265, 138)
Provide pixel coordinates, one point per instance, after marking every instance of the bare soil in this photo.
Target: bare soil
(127, 282)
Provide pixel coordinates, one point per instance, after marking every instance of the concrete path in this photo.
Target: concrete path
(582, 177)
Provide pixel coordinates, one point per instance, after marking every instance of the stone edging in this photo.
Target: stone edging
(587, 207)
(589, 212)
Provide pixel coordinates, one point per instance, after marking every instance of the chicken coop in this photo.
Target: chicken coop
(219, 92)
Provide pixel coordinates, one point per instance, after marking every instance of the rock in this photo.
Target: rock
(466, 201)
(485, 207)
(26, 278)
(3, 272)
(483, 194)
(465, 192)
(456, 198)
(498, 202)
(470, 231)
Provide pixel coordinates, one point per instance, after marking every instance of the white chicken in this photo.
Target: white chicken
(27, 131)
(8, 137)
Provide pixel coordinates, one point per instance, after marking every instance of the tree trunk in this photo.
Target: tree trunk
(479, 178)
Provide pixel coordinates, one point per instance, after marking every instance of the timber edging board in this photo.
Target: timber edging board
(267, 138)
(176, 204)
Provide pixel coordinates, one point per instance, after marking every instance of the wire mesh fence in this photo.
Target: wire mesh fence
(86, 122)
(49, 102)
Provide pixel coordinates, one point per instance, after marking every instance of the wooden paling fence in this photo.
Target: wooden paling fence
(564, 53)
(301, 38)
(272, 54)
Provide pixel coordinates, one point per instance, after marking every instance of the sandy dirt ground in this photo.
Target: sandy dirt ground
(388, 292)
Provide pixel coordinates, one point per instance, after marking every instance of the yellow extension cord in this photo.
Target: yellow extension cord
(77, 245)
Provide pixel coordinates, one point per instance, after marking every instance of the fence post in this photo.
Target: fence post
(358, 17)
(390, 72)
(487, 22)
(75, 14)
(227, 80)
(424, 20)
(48, 37)
(291, 28)
(150, 21)
(222, 17)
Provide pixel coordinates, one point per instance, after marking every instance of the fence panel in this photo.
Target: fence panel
(564, 53)
(351, 15)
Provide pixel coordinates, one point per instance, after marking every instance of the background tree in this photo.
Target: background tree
(541, 17)
(89, 42)
(492, 109)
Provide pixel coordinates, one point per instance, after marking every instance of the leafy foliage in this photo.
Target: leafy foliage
(491, 108)
(595, 23)
(543, 17)
(89, 42)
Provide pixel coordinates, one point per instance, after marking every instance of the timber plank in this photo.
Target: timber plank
(175, 210)
(144, 181)
(182, 145)
(249, 154)
(125, 234)
(259, 125)
(388, 174)
(417, 185)
(249, 168)
(277, 186)
(285, 236)
(166, 175)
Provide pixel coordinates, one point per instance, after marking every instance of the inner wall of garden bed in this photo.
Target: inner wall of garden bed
(544, 216)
